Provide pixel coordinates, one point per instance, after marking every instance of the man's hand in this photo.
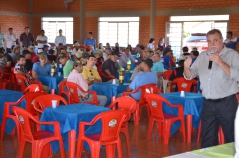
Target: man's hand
(187, 63)
(216, 58)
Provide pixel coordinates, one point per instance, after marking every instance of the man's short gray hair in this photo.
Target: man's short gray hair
(213, 31)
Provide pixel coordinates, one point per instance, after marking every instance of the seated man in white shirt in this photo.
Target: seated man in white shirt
(76, 77)
(230, 42)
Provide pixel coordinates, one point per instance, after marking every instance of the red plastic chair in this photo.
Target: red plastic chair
(221, 138)
(148, 88)
(111, 124)
(6, 79)
(183, 84)
(164, 121)
(64, 91)
(21, 82)
(29, 97)
(166, 75)
(129, 104)
(32, 88)
(73, 91)
(39, 138)
(44, 101)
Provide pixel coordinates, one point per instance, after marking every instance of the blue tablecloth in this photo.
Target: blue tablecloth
(69, 117)
(192, 104)
(108, 89)
(127, 76)
(51, 81)
(9, 96)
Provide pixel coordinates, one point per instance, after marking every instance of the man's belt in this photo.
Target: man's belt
(220, 99)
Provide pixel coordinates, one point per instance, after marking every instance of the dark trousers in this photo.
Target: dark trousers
(8, 50)
(218, 113)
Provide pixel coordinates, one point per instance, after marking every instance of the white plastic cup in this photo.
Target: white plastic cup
(52, 73)
(114, 81)
(182, 94)
(54, 102)
(60, 65)
(59, 73)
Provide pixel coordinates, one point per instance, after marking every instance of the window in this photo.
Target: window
(122, 30)
(52, 26)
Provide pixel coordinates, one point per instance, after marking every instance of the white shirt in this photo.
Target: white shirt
(41, 38)
(60, 39)
(10, 39)
(105, 56)
(232, 39)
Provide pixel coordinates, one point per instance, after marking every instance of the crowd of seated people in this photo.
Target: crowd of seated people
(99, 64)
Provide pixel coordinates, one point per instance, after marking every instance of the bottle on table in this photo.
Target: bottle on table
(53, 68)
(128, 65)
(121, 75)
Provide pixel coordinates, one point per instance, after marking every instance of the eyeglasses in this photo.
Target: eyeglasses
(91, 73)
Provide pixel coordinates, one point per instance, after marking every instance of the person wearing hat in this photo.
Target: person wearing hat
(41, 40)
(29, 63)
(149, 53)
(194, 55)
(99, 59)
(136, 70)
(15, 54)
(77, 51)
(68, 64)
(147, 77)
(20, 69)
(230, 42)
(3, 59)
(109, 68)
(31, 50)
(76, 76)
(90, 74)
(51, 57)
(41, 68)
(185, 54)
(45, 49)
(166, 58)
(36, 58)
(10, 62)
(161, 44)
(124, 57)
(106, 53)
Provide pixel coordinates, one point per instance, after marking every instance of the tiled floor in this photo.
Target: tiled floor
(140, 147)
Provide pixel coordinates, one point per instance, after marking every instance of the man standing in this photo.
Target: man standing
(27, 38)
(90, 41)
(10, 39)
(2, 39)
(218, 85)
(231, 42)
(60, 39)
(41, 39)
(76, 77)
